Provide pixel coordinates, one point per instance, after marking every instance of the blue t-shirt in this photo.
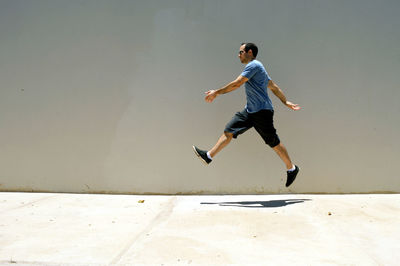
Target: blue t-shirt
(256, 87)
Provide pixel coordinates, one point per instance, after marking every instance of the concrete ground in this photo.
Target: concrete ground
(76, 229)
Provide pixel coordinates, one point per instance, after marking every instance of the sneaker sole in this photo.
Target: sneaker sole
(198, 155)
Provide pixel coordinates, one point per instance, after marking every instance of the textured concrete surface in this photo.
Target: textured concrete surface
(82, 229)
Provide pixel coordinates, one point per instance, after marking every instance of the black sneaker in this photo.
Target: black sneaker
(202, 155)
(291, 176)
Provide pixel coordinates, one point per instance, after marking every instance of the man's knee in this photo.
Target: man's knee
(272, 141)
(228, 135)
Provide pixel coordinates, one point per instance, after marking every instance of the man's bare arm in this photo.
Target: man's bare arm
(278, 93)
(212, 94)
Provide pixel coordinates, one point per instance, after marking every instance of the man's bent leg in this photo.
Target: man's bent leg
(222, 142)
(283, 154)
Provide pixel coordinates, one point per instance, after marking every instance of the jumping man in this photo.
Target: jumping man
(258, 112)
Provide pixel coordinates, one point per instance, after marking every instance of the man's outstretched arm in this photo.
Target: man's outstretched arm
(212, 94)
(278, 93)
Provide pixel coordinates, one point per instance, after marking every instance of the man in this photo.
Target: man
(258, 112)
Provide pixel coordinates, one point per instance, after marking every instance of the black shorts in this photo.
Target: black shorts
(262, 121)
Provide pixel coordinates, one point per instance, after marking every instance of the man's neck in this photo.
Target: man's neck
(249, 61)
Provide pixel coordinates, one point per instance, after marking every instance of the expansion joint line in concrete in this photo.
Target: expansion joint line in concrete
(161, 217)
(28, 204)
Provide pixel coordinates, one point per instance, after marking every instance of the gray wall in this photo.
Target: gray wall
(108, 96)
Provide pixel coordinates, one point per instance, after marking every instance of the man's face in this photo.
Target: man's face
(243, 56)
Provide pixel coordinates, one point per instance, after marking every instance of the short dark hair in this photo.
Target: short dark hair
(250, 46)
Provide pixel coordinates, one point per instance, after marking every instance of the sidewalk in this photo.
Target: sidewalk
(82, 229)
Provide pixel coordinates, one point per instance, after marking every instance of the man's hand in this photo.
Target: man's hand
(292, 106)
(211, 95)
(278, 93)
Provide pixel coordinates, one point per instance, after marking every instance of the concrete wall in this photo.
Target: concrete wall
(107, 96)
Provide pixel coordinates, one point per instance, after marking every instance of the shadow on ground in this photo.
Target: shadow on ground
(260, 204)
